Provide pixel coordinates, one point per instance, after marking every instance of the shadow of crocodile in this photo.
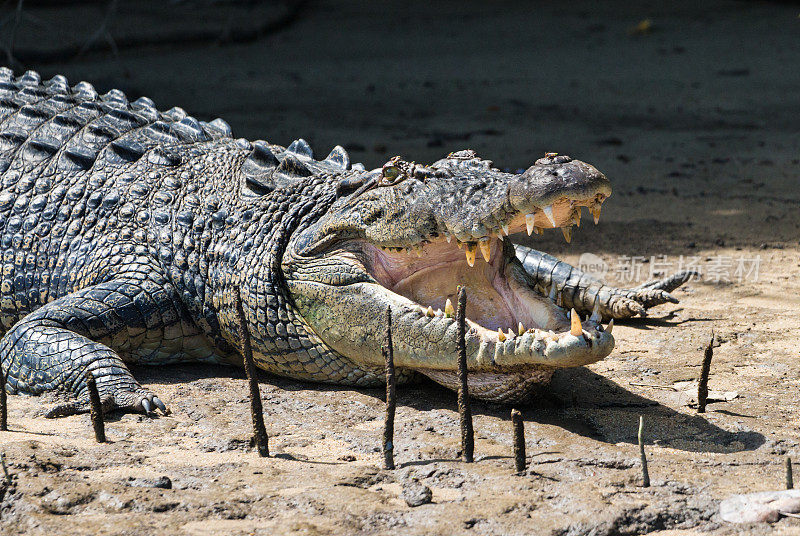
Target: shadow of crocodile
(577, 400)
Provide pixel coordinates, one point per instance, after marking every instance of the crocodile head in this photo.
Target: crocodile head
(406, 236)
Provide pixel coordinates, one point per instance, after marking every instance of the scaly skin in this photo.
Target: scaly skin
(127, 232)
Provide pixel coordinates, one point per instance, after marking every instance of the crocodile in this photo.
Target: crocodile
(129, 235)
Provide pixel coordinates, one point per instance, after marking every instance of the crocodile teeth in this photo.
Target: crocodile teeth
(575, 324)
(577, 218)
(567, 232)
(510, 334)
(500, 335)
(448, 237)
(596, 213)
(505, 229)
(471, 250)
(429, 312)
(529, 219)
(548, 211)
(449, 312)
(520, 329)
(596, 316)
(610, 326)
(486, 249)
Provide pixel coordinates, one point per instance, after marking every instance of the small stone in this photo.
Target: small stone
(415, 493)
(762, 507)
(162, 482)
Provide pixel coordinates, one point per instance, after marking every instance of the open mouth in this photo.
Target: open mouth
(502, 302)
(516, 335)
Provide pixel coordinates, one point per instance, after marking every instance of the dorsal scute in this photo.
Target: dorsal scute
(339, 158)
(300, 148)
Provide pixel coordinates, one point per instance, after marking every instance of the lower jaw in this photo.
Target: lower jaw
(502, 387)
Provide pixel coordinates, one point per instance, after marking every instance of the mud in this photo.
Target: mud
(694, 121)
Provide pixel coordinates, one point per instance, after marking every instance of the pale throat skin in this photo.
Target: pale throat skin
(128, 234)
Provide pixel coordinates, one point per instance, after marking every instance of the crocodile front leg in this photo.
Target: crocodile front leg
(55, 346)
(576, 289)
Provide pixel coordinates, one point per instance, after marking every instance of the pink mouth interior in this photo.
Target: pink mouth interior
(433, 277)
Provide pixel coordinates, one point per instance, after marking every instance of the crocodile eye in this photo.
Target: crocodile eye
(390, 174)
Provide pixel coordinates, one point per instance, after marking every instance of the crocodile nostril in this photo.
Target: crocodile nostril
(553, 158)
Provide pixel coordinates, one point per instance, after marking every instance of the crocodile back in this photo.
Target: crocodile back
(51, 127)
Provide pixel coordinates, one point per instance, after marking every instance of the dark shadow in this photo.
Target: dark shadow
(578, 400)
(647, 323)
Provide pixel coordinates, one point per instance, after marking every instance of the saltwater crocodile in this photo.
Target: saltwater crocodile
(126, 234)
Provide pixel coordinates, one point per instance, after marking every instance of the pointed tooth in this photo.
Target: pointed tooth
(538, 230)
(486, 248)
(596, 213)
(520, 328)
(567, 232)
(418, 250)
(577, 217)
(429, 312)
(529, 219)
(505, 229)
(548, 211)
(460, 244)
(448, 237)
(500, 335)
(610, 326)
(449, 312)
(471, 250)
(596, 316)
(575, 324)
(510, 334)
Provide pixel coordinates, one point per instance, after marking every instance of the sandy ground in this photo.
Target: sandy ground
(695, 122)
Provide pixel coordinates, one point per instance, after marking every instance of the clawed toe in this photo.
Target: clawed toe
(160, 405)
(149, 402)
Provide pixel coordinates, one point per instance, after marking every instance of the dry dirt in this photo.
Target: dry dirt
(696, 123)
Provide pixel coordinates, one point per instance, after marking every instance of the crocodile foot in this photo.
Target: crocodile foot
(141, 400)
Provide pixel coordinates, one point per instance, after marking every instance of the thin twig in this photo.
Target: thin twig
(464, 409)
(3, 403)
(96, 408)
(702, 385)
(6, 474)
(388, 426)
(256, 409)
(519, 441)
(645, 472)
(789, 476)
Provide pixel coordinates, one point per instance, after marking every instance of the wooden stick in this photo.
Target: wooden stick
(645, 472)
(391, 402)
(256, 409)
(519, 441)
(6, 474)
(96, 408)
(789, 477)
(464, 409)
(3, 403)
(702, 385)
